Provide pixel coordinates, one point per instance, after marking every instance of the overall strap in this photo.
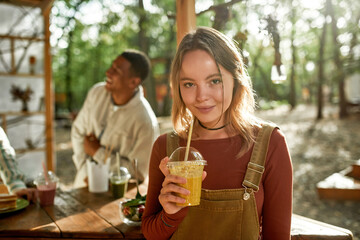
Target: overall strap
(172, 142)
(256, 166)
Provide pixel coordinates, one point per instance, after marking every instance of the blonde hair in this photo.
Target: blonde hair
(225, 53)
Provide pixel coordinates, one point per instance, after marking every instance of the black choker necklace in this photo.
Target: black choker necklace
(212, 128)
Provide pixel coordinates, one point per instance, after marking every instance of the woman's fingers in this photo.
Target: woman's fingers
(173, 188)
(168, 201)
(170, 198)
(170, 189)
(163, 166)
(173, 179)
(169, 194)
(204, 174)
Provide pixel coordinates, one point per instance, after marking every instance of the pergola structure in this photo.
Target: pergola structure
(186, 21)
(185, 17)
(45, 7)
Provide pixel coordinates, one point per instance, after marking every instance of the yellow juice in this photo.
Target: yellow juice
(194, 186)
(192, 171)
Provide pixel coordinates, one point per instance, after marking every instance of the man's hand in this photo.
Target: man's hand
(30, 194)
(91, 145)
(86, 180)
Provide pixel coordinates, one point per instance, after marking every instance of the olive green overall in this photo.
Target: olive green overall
(227, 213)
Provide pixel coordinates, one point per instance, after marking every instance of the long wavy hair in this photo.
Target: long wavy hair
(240, 114)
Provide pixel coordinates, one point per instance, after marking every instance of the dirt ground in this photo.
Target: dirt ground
(318, 149)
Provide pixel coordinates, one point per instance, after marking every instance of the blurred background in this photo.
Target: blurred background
(303, 57)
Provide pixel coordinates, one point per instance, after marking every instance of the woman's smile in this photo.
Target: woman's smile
(206, 92)
(205, 109)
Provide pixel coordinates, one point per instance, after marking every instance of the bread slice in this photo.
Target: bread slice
(3, 188)
(7, 201)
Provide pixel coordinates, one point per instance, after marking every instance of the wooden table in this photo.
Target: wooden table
(79, 214)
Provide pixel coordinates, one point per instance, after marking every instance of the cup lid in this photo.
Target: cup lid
(193, 156)
(40, 178)
(124, 173)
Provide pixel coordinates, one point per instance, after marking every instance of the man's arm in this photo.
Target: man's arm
(146, 136)
(78, 132)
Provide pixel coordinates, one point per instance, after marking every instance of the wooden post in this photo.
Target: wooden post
(12, 50)
(49, 95)
(185, 18)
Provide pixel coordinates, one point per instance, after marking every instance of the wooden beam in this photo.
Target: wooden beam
(20, 38)
(26, 3)
(49, 96)
(26, 75)
(12, 51)
(44, 5)
(185, 18)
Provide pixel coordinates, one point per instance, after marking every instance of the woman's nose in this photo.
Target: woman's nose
(201, 93)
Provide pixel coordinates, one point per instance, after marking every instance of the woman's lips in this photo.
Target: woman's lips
(204, 109)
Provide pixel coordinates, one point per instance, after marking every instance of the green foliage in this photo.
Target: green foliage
(84, 50)
(263, 104)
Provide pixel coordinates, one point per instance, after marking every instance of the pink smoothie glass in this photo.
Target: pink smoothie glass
(46, 187)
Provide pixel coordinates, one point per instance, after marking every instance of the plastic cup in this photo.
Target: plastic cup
(98, 176)
(119, 183)
(46, 189)
(192, 170)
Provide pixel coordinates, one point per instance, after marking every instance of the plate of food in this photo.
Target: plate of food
(131, 210)
(10, 203)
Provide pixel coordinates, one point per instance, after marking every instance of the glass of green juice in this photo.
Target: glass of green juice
(119, 182)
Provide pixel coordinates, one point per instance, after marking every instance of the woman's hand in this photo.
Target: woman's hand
(170, 188)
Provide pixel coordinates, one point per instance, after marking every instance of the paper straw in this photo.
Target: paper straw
(45, 173)
(111, 148)
(106, 149)
(188, 141)
(118, 163)
(108, 153)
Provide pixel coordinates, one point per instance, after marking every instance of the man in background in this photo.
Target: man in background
(116, 117)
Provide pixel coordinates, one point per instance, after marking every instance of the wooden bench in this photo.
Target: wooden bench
(303, 228)
(344, 185)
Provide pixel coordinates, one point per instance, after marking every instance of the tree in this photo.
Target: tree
(321, 68)
(340, 73)
(144, 46)
(85, 50)
(292, 95)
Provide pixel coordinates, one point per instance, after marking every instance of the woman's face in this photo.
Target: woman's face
(201, 88)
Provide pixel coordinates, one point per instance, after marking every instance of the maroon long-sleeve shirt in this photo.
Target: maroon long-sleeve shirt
(226, 171)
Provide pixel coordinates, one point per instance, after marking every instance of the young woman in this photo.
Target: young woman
(210, 86)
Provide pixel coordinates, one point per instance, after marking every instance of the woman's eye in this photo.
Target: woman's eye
(216, 81)
(188, 84)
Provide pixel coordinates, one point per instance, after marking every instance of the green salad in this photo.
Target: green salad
(133, 209)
